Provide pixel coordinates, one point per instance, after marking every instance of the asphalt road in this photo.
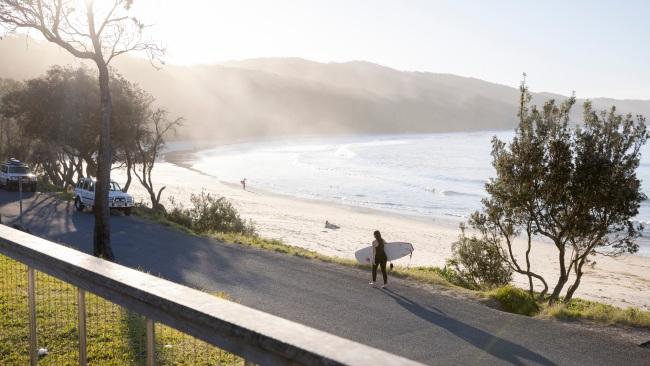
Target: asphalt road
(408, 319)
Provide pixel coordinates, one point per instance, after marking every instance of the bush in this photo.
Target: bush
(478, 263)
(178, 214)
(210, 214)
(514, 300)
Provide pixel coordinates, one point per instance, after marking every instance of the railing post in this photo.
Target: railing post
(81, 312)
(151, 344)
(31, 299)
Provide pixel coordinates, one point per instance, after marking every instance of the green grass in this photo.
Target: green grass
(115, 336)
(511, 299)
(431, 275)
(45, 186)
(152, 215)
(514, 300)
(578, 309)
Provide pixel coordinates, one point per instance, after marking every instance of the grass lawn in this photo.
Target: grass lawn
(115, 336)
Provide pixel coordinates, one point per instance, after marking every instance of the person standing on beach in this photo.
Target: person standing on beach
(243, 183)
(379, 258)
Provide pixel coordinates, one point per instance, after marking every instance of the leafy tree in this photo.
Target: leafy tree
(59, 115)
(149, 141)
(575, 186)
(134, 109)
(58, 112)
(98, 32)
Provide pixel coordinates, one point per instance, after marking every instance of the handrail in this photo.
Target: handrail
(257, 336)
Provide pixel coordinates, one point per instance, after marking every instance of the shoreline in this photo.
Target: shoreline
(623, 281)
(178, 158)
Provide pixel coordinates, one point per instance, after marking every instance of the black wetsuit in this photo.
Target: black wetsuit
(380, 260)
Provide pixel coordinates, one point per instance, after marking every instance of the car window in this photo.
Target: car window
(85, 186)
(4, 168)
(19, 170)
(115, 186)
(91, 186)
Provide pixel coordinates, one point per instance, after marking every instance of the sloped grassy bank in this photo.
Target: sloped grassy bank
(508, 298)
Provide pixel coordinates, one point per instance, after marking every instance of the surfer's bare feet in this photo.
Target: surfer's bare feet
(383, 286)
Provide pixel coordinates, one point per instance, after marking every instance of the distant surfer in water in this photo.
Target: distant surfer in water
(380, 258)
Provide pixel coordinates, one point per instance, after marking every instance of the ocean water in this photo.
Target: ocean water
(431, 175)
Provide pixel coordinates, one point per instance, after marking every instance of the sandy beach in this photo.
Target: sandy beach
(622, 281)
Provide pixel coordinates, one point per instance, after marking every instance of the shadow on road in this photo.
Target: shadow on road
(137, 243)
(496, 346)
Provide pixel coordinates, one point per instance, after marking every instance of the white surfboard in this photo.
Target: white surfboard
(394, 250)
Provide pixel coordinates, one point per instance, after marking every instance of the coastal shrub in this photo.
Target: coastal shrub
(514, 300)
(178, 214)
(478, 263)
(209, 213)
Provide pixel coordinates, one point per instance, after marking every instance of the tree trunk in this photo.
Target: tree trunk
(514, 265)
(129, 166)
(563, 277)
(530, 277)
(576, 283)
(158, 206)
(152, 196)
(102, 236)
(91, 165)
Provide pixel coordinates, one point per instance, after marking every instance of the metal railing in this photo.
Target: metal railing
(74, 306)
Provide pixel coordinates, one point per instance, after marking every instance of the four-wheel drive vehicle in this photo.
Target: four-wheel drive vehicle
(12, 171)
(84, 196)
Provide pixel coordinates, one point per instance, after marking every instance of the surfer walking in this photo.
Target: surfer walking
(379, 258)
(243, 183)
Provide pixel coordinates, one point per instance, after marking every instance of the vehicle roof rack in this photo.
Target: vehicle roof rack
(14, 161)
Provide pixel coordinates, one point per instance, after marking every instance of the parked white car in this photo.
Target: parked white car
(85, 196)
(12, 172)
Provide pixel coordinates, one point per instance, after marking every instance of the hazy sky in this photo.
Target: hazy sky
(597, 48)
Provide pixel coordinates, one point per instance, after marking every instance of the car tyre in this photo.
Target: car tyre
(78, 205)
(127, 211)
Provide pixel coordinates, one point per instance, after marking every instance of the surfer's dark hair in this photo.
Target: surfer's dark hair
(377, 234)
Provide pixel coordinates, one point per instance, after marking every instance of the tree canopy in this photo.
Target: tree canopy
(573, 184)
(58, 115)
